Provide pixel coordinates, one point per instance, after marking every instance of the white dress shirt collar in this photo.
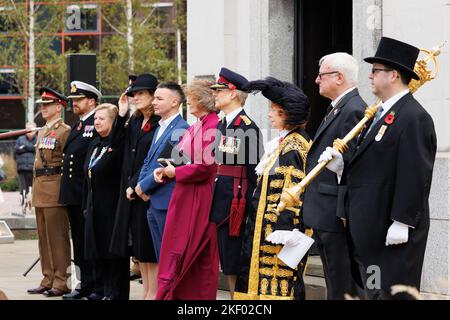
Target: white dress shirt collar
(393, 100)
(336, 101)
(87, 115)
(229, 117)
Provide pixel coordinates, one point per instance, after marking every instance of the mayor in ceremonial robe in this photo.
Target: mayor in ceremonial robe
(263, 275)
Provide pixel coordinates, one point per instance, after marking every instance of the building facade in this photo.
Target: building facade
(286, 39)
(69, 27)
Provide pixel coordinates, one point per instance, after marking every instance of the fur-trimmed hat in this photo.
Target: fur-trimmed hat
(287, 95)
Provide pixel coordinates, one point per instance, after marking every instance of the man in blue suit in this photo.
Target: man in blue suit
(166, 103)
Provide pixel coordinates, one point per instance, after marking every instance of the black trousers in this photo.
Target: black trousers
(84, 268)
(115, 274)
(25, 182)
(334, 253)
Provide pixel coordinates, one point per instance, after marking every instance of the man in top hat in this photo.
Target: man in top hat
(84, 99)
(337, 80)
(51, 217)
(388, 178)
(238, 149)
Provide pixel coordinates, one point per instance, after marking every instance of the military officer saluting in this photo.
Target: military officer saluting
(84, 99)
(51, 217)
(238, 149)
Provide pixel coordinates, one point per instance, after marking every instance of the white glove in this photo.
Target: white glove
(337, 162)
(279, 236)
(397, 233)
(294, 238)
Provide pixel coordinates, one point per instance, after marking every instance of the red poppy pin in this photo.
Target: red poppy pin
(237, 122)
(53, 134)
(110, 149)
(147, 127)
(390, 118)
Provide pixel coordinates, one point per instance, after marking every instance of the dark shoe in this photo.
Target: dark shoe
(74, 295)
(38, 290)
(53, 292)
(134, 276)
(94, 296)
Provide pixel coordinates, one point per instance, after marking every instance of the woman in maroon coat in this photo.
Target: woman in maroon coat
(189, 260)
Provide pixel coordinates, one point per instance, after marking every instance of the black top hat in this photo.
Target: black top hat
(143, 82)
(229, 80)
(397, 55)
(48, 95)
(285, 94)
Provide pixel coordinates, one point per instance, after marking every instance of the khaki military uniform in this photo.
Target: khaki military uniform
(51, 217)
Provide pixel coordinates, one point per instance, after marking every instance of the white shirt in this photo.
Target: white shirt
(229, 117)
(163, 124)
(83, 118)
(335, 101)
(391, 101)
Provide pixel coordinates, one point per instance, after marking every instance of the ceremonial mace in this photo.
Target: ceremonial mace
(291, 196)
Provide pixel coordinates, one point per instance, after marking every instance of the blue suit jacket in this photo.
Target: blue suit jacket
(160, 193)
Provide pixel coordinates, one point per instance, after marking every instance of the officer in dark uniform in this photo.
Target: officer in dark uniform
(84, 99)
(238, 149)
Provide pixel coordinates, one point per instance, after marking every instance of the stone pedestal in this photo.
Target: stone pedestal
(436, 272)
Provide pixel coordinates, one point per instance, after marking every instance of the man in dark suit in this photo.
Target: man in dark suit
(238, 149)
(84, 99)
(166, 103)
(337, 81)
(389, 177)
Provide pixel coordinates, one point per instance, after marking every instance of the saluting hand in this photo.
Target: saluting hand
(123, 105)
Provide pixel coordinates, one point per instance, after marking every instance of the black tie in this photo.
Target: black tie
(327, 114)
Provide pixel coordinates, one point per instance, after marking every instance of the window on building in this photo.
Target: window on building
(8, 83)
(77, 43)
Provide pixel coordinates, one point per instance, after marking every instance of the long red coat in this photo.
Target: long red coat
(189, 259)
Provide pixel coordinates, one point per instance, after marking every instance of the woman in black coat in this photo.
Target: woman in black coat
(102, 167)
(131, 234)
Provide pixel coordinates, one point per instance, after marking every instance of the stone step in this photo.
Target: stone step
(314, 267)
(314, 280)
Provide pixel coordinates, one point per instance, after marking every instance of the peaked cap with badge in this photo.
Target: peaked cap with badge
(48, 95)
(80, 89)
(230, 80)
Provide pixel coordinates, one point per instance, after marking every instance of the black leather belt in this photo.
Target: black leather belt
(49, 171)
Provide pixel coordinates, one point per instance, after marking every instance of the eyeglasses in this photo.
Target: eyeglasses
(374, 70)
(319, 75)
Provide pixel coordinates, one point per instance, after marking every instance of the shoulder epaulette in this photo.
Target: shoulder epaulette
(246, 120)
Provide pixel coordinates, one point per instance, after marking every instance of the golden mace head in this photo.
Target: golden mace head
(421, 67)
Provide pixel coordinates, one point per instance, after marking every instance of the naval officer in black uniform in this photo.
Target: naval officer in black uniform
(238, 149)
(84, 99)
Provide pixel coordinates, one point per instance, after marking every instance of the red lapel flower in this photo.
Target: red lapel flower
(110, 149)
(147, 127)
(237, 122)
(53, 134)
(390, 118)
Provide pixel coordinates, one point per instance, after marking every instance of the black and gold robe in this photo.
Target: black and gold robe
(262, 275)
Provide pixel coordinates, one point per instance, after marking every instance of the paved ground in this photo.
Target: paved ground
(15, 258)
